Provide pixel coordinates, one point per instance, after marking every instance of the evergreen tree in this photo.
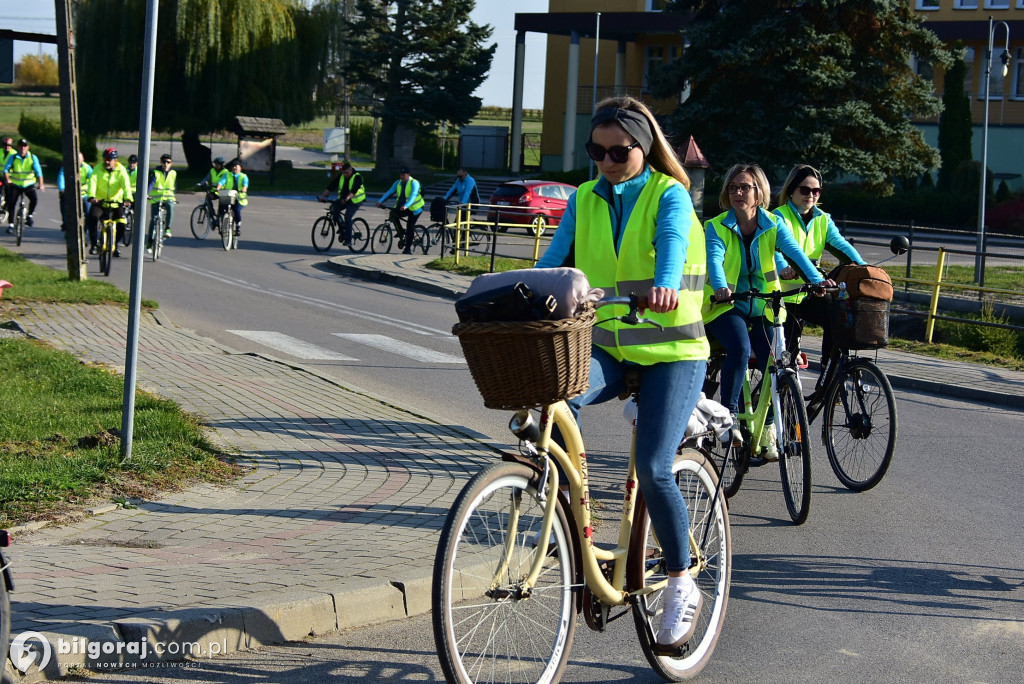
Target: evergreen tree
(955, 129)
(214, 61)
(826, 83)
(421, 60)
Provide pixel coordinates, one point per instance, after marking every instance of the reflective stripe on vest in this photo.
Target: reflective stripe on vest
(811, 239)
(402, 189)
(359, 194)
(22, 172)
(734, 248)
(163, 186)
(631, 272)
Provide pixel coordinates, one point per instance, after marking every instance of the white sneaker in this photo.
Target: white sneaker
(682, 602)
(769, 443)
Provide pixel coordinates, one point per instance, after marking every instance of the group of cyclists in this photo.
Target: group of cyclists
(350, 190)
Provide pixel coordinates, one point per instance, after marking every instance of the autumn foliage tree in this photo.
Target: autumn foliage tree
(36, 71)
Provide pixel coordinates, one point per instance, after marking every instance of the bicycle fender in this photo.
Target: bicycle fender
(569, 516)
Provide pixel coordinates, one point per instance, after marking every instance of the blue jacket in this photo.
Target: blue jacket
(463, 189)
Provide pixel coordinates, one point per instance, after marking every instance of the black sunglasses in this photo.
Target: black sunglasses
(619, 154)
(805, 191)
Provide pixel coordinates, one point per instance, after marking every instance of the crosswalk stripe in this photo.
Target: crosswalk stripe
(291, 346)
(390, 344)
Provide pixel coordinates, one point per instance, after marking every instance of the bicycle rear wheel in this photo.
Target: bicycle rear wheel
(323, 234)
(795, 449)
(859, 429)
(360, 235)
(383, 237)
(200, 222)
(421, 238)
(709, 532)
(487, 627)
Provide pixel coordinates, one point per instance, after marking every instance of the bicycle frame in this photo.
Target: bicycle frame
(756, 419)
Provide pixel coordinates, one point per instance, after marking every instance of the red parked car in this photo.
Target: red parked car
(535, 204)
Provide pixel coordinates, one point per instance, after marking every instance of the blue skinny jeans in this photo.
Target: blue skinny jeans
(730, 329)
(669, 394)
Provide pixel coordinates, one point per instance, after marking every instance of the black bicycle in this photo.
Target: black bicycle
(20, 218)
(384, 235)
(326, 230)
(205, 214)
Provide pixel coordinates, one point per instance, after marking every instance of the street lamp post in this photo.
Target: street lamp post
(1005, 58)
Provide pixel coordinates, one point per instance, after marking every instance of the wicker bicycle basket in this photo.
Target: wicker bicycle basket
(520, 365)
(860, 324)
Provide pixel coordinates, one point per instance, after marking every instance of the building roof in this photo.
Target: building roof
(255, 125)
(694, 158)
(614, 25)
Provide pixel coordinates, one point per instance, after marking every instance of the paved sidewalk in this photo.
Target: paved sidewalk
(335, 525)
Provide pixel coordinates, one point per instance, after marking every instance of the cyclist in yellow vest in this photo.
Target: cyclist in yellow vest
(741, 252)
(409, 202)
(234, 179)
(133, 173)
(634, 230)
(8, 150)
(815, 232)
(108, 185)
(351, 193)
(21, 172)
(161, 189)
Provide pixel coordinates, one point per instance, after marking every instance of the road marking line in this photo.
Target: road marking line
(291, 346)
(390, 344)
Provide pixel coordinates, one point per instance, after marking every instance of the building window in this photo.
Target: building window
(965, 4)
(927, 4)
(654, 55)
(997, 4)
(922, 69)
(1017, 89)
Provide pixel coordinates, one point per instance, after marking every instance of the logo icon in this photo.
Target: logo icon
(23, 652)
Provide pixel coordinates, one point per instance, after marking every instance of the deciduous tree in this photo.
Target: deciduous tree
(36, 71)
(827, 83)
(422, 60)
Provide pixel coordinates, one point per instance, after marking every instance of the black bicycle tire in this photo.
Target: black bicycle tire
(108, 243)
(360, 237)
(382, 234)
(319, 231)
(716, 574)
(466, 571)
(201, 218)
(859, 484)
(5, 620)
(795, 449)
(129, 227)
(227, 229)
(421, 238)
(19, 224)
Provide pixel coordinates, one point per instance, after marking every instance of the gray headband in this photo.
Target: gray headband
(634, 123)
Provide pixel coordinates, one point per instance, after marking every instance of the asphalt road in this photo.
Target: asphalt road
(920, 579)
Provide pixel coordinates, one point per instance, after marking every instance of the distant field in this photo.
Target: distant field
(12, 107)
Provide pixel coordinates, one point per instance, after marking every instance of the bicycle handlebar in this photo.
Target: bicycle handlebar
(778, 294)
(635, 303)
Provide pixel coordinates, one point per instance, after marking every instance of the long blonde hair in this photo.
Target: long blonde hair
(661, 157)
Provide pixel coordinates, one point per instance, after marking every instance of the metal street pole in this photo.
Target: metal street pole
(141, 230)
(979, 259)
(593, 94)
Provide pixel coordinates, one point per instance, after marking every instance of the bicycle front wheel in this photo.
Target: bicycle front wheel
(360, 236)
(795, 449)
(19, 227)
(421, 238)
(859, 429)
(107, 240)
(383, 237)
(227, 231)
(323, 234)
(487, 625)
(200, 222)
(712, 570)
(129, 228)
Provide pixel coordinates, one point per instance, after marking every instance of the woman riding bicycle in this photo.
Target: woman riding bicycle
(351, 193)
(741, 255)
(815, 232)
(634, 230)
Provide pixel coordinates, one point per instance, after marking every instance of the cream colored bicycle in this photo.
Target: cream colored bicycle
(517, 560)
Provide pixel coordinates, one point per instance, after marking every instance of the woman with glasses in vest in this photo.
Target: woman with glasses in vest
(634, 230)
(162, 187)
(741, 252)
(815, 232)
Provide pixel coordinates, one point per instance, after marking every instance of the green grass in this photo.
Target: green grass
(478, 265)
(996, 277)
(58, 444)
(33, 282)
